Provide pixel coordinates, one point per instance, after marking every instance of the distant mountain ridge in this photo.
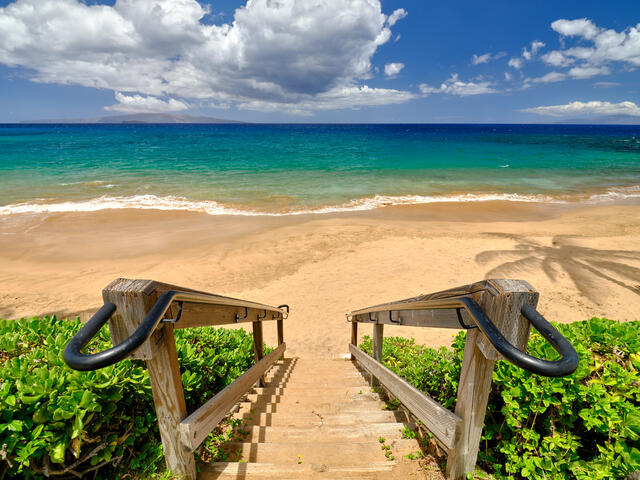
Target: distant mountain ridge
(139, 118)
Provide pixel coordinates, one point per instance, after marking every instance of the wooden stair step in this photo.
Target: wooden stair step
(293, 390)
(323, 433)
(355, 395)
(335, 453)
(274, 471)
(364, 407)
(311, 419)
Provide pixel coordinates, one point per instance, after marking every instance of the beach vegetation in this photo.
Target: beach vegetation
(55, 421)
(584, 426)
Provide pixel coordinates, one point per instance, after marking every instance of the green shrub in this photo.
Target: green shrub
(54, 419)
(585, 426)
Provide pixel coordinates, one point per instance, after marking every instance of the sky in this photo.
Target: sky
(408, 61)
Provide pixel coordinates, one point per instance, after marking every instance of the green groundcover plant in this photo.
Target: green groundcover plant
(55, 421)
(584, 426)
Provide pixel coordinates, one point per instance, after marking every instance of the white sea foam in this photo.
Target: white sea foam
(154, 202)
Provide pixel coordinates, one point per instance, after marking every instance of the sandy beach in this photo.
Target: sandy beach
(585, 261)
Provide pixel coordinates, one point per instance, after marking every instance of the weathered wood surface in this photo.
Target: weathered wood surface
(440, 421)
(195, 428)
(258, 346)
(471, 406)
(280, 326)
(134, 298)
(502, 301)
(411, 315)
(168, 399)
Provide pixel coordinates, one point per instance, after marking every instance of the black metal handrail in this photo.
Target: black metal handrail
(79, 361)
(566, 365)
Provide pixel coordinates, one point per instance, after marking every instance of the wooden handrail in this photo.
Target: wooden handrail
(459, 433)
(181, 433)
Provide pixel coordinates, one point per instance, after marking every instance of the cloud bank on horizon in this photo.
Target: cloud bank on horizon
(297, 56)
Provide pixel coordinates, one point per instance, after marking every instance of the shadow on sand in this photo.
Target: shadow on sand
(587, 267)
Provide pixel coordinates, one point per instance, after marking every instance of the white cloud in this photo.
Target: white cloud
(478, 59)
(486, 57)
(587, 109)
(507, 76)
(393, 69)
(588, 72)
(285, 53)
(454, 86)
(398, 14)
(607, 45)
(581, 27)
(550, 77)
(606, 84)
(142, 104)
(557, 59)
(516, 63)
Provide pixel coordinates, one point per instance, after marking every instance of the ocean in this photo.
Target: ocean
(258, 169)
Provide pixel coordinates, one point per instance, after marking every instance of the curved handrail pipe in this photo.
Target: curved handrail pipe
(79, 361)
(566, 365)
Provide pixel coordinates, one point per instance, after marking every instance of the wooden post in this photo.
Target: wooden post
(258, 346)
(502, 302)
(378, 332)
(280, 324)
(134, 299)
(354, 333)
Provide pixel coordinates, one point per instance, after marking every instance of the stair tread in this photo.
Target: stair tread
(260, 471)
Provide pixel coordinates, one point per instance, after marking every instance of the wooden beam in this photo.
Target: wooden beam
(440, 421)
(195, 428)
(378, 337)
(409, 315)
(134, 299)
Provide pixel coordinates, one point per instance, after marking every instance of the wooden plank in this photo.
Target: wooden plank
(195, 428)
(410, 316)
(457, 292)
(378, 337)
(440, 421)
(199, 315)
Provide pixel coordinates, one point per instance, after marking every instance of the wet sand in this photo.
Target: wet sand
(585, 261)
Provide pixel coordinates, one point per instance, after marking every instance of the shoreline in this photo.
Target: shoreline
(585, 261)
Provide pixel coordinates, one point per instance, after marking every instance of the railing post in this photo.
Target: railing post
(258, 346)
(134, 299)
(354, 334)
(280, 324)
(502, 302)
(378, 335)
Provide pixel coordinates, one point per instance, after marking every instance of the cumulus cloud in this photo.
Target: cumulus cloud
(398, 14)
(142, 104)
(606, 45)
(455, 86)
(286, 53)
(393, 69)
(586, 109)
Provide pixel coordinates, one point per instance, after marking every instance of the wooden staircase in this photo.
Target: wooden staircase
(314, 419)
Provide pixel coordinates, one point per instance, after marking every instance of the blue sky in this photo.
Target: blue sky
(321, 60)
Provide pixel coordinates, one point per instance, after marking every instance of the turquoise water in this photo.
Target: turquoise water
(301, 168)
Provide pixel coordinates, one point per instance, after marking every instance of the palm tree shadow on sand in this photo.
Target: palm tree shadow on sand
(587, 267)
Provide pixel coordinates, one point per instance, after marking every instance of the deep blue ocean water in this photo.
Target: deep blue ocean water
(300, 168)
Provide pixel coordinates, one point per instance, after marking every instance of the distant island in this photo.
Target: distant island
(138, 118)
